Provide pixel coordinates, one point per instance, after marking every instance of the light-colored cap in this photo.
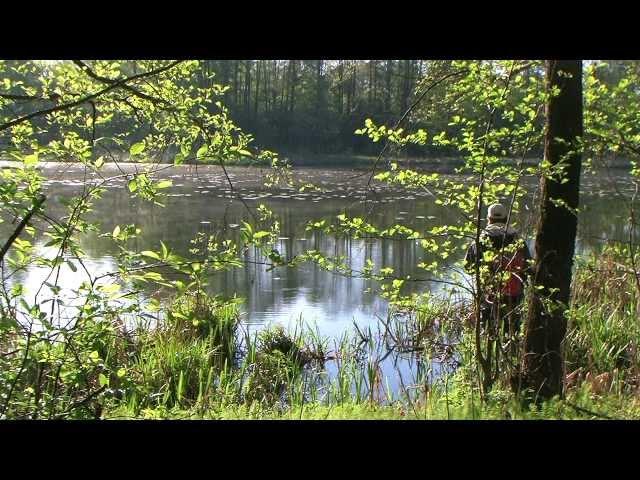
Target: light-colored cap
(497, 212)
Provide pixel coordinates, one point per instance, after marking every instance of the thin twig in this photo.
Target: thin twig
(36, 206)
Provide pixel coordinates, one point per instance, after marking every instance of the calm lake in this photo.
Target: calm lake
(201, 201)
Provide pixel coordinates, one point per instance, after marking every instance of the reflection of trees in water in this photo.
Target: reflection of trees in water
(602, 219)
(180, 220)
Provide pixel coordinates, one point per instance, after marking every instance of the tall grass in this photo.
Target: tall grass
(197, 363)
(180, 362)
(601, 346)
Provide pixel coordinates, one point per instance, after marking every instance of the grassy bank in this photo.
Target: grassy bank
(200, 363)
(282, 374)
(572, 408)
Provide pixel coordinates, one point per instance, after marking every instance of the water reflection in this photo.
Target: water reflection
(202, 201)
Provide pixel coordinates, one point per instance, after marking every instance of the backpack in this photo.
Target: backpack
(514, 264)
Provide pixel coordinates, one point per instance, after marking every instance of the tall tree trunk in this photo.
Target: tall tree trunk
(319, 87)
(236, 85)
(354, 83)
(543, 368)
(405, 86)
(247, 87)
(340, 86)
(349, 94)
(293, 82)
(267, 85)
(286, 87)
(224, 73)
(275, 86)
(375, 81)
(387, 92)
(370, 91)
(257, 90)
(204, 72)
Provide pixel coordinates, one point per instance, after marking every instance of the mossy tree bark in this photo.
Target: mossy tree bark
(543, 366)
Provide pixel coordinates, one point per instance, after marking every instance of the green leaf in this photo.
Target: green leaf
(110, 288)
(24, 304)
(261, 234)
(30, 160)
(132, 185)
(72, 266)
(103, 380)
(185, 150)
(179, 159)
(150, 254)
(116, 231)
(164, 184)
(153, 276)
(137, 148)
(99, 162)
(202, 151)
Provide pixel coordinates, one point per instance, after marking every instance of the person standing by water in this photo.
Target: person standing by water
(507, 257)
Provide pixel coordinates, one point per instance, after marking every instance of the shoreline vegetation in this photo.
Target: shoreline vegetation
(603, 368)
(199, 363)
(602, 374)
(602, 378)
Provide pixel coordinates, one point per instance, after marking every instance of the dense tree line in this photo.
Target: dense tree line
(314, 106)
(306, 107)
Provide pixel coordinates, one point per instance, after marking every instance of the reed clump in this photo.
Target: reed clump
(601, 346)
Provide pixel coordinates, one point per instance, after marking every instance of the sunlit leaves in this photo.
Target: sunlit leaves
(397, 136)
(110, 289)
(30, 160)
(280, 172)
(151, 254)
(202, 152)
(611, 121)
(137, 148)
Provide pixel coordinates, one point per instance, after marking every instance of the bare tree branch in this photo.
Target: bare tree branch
(36, 206)
(86, 69)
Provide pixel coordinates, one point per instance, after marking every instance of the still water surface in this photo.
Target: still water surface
(202, 201)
